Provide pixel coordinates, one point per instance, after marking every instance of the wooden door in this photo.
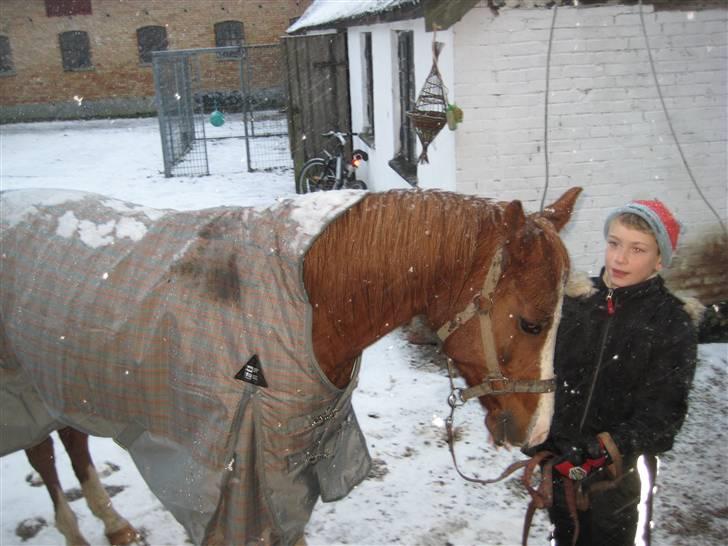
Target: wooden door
(318, 92)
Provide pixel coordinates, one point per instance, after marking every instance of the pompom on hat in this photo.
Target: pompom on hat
(663, 224)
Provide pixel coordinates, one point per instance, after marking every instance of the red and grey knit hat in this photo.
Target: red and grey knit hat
(663, 224)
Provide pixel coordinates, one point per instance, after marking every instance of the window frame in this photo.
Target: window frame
(222, 40)
(368, 125)
(7, 66)
(75, 55)
(144, 49)
(404, 162)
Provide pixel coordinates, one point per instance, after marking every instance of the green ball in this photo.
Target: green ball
(217, 119)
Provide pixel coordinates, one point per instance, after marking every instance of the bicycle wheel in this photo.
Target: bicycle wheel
(315, 176)
(355, 185)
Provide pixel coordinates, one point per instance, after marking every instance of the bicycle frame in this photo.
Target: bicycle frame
(336, 167)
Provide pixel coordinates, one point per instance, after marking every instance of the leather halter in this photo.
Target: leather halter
(495, 382)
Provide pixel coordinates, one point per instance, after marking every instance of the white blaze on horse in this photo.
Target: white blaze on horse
(221, 346)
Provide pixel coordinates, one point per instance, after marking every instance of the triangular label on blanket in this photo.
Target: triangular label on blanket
(252, 372)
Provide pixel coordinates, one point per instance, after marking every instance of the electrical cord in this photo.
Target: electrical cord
(669, 121)
(662, 102)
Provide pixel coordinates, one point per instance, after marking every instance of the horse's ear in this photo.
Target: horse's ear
(514, 217)
(559, 212)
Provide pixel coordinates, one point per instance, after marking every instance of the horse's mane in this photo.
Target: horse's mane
(415, 237)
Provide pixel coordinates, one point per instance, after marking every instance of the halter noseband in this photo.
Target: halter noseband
(495, 383)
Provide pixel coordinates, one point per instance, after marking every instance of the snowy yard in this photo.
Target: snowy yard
(413, 495)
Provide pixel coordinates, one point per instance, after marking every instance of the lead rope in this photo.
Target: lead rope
(576, 496)
(541, 496)
(455, 401)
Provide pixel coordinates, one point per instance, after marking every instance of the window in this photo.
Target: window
(405, 162)
(6, 56)
(368, 81)
(62, 8)
(75, 50)
(149, 39)
(229, 33)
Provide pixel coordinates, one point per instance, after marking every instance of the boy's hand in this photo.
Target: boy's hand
(581, 460)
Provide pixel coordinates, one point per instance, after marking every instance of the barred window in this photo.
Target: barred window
(229, 33)
(62, 8)
(6, 56)
(149, 39)
(75, 50)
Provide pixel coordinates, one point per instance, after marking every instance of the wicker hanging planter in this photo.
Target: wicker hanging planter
(429, 115)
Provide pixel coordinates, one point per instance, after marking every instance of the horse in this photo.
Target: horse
(485, 275)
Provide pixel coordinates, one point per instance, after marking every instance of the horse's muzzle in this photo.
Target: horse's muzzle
(504, 429)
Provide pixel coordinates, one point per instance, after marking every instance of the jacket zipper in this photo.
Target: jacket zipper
(610, 313)
(610, 302)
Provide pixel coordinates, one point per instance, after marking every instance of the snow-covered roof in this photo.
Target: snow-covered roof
(322, 12)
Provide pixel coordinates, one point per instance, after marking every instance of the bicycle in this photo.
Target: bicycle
(332, 172)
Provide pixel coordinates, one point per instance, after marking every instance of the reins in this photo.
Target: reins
(495, 383)
(577, 493)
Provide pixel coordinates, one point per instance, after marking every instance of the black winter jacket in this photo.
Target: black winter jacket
(627, 373)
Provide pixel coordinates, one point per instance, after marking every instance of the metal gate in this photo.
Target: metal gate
(233, 97)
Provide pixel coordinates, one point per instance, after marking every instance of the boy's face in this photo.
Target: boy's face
(632, 256)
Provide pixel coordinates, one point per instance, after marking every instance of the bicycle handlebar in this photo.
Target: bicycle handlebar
(339, 135)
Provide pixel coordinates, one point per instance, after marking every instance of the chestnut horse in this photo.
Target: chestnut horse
(486, 276)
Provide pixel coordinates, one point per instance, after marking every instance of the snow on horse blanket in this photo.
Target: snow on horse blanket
(185, 336)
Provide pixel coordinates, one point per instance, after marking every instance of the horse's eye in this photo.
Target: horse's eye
(529, 327)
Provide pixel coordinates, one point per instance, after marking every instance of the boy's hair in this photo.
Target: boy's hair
(650, 217)
(631, 220)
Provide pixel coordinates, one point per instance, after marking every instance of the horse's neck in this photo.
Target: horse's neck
(390, 257)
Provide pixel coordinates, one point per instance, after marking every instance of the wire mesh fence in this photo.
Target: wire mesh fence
(212, 94)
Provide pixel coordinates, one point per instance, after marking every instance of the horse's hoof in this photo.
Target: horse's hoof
(122, 537)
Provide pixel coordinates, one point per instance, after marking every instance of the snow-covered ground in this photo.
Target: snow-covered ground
(413, 495)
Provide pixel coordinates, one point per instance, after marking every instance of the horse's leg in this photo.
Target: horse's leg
(42, 459)
(118, 530)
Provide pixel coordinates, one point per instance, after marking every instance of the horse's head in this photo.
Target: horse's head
(503, 340)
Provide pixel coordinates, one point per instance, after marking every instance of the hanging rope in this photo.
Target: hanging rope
(546, 109)
(669, 122)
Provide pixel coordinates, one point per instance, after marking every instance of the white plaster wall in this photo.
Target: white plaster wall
(607, 130)
(440, 172)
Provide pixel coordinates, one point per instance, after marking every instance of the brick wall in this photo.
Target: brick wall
(117, 75)
(607, 129)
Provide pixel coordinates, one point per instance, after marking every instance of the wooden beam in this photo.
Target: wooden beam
(445, 13)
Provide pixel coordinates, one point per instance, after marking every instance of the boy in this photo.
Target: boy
(625, 359)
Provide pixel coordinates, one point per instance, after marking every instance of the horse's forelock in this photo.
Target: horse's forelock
(543, 264)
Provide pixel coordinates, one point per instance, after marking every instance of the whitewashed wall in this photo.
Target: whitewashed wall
(440, 172)
(607, 130)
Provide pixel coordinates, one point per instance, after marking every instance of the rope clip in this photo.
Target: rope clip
(455, 400)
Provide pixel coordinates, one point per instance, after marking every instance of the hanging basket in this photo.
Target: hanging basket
(429, 114)
(427, 121)
(427, 125)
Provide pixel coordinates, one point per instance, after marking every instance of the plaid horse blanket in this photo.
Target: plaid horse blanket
(186, 337)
